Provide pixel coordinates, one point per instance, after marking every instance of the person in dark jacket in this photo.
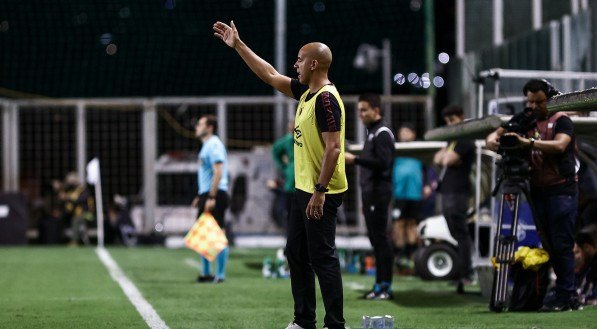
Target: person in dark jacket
(376, 190)
(456, 160)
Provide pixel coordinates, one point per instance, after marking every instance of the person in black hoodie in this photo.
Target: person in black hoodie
(376, 190)
(456, 160)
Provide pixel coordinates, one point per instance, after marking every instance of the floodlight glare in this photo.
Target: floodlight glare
(443, 58)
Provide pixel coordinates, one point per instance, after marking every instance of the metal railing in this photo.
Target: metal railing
(43, 139)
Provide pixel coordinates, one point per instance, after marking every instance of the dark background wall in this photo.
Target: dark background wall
(63, 48)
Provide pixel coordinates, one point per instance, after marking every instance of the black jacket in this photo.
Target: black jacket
(377, 158)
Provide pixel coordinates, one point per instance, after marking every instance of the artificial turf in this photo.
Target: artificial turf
(70, 288)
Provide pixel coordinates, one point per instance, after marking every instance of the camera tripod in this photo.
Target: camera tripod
(505, 244)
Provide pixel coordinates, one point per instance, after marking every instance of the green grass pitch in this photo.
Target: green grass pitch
(70, 288)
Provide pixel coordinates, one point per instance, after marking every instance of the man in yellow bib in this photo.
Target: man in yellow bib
(320, 177)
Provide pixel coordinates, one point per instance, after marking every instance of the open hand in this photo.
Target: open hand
(226, 33)
(315, 206)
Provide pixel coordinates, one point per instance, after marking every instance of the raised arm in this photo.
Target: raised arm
(264, 70)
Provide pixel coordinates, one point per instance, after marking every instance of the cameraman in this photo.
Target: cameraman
(554, 191)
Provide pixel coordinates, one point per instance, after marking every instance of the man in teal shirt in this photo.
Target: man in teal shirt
(283, 154)
(407, 181)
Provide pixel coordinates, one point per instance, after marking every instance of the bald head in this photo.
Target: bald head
(319, 52)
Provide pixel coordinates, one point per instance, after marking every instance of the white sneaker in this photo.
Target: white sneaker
(293, 325)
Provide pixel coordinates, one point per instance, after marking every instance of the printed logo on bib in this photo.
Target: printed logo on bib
(297, 134)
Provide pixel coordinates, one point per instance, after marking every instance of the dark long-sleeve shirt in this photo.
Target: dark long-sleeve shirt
(377, 158)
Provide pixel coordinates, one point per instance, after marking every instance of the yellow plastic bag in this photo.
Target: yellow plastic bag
(531, 258)
(534, 259)
(206, 237)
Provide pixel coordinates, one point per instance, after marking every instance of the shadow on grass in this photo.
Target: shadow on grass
(435, 299)
(254, 266)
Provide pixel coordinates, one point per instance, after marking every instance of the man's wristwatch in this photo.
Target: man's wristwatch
(320, 188)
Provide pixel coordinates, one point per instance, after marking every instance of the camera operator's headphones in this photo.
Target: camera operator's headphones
(548, 88)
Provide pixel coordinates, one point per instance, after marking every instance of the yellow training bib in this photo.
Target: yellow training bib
(309, 146)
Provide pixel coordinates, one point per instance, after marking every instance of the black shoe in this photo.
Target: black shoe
(460, 288)
(555, 306)
(461, 283)
(205, 278)
(560, 306)
(218, 280)
(575, 304)
(555, 303)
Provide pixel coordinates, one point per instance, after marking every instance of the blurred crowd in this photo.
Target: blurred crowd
(67, 214)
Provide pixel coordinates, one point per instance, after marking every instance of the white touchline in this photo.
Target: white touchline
(192, 263)
(354, 285)
(147, 312)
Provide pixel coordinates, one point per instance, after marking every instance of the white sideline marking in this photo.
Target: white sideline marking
(147, 312)
(354, 285)
(192, 263)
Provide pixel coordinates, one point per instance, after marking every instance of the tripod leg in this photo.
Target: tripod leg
(510, 244)
(496, 303)
(504, 252)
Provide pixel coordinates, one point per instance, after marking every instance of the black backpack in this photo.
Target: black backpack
(529, 288)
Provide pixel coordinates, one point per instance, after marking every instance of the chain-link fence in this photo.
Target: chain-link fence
(148, 152)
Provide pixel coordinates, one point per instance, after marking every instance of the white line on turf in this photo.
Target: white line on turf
(147, 312)
(354, 285)
(192, 263)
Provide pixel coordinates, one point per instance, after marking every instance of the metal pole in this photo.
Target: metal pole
(574, 7)
(280, 63)
(100, 208)
(554, 50)
(81, 140)
(222, 124)
(537, 14)
(480, 100)
(290, 109)
(280, 43)
(460, 31)
(6, 145)
(430, 44)
(567, 51)
(496, 92)
(430, 120)
(478, 174)
(149, 158)
(14, 176)
(386, 76)
(360, 139)
(498, 22)
(567, 43)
